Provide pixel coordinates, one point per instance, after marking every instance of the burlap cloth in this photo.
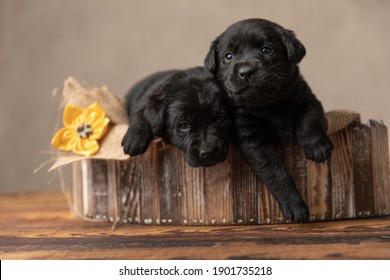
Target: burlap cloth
(82, 95)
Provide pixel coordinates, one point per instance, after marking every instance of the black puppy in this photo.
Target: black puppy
(186, 109)
(255, 61)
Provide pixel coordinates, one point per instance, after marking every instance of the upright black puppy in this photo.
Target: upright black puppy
(255, 61)
(186, 109)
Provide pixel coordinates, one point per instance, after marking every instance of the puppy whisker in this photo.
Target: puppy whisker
(273, 66)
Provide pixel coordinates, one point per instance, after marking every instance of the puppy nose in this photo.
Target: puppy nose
(204, 154)
(245, 71)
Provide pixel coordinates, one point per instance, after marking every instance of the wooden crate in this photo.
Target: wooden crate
(160, 188)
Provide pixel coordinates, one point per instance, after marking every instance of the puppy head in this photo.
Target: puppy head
(190, 113)
(253, 59)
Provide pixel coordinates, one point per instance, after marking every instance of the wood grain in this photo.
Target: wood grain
(160, 188)
(379, 144)
(363, 170)
(40, 226)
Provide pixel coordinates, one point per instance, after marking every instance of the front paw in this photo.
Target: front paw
(320, 150)
(295, 212)
(136, 140)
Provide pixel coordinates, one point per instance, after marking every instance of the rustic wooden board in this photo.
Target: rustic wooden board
(380, 147)
(320, 191)
(77, 194)
(39, 226)
(160, 188)
(363, 170)
(341, 175)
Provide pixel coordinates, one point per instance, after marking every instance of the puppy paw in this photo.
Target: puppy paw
(295, 212)
(320, 150)
(136, 140)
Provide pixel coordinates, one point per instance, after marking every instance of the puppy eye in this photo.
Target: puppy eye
(183, 125)
(266, 50)
(221, 120)
(229, 56)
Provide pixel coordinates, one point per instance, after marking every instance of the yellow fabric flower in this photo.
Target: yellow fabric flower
(82, 130)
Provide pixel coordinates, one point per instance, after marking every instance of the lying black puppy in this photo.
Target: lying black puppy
(255, 61)
(186, 109)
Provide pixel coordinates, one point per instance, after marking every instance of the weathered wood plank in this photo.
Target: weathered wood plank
(39, 226)
(129, 188)
(159, 187)
(365, 251)
(380, 147)
(77, 193)
(169, 186)
(149, 182)
(100, 172)
(341, 175)
(87, 174)
(363, 170)
(114, 202)
(320, 191)
(245, 191)
(218, 194)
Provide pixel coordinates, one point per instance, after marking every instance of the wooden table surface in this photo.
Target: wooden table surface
(39, 226)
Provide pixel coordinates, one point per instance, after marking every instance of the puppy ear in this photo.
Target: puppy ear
(210, 62)
(155, 108)
(295, 49)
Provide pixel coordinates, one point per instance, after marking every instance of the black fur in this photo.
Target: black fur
(255, 61)
(186, 109)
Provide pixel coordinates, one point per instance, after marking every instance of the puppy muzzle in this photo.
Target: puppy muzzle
(244, 74)
(245, 70)
(206, 154)
(250, 80)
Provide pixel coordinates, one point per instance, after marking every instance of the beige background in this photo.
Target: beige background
(115, 43)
